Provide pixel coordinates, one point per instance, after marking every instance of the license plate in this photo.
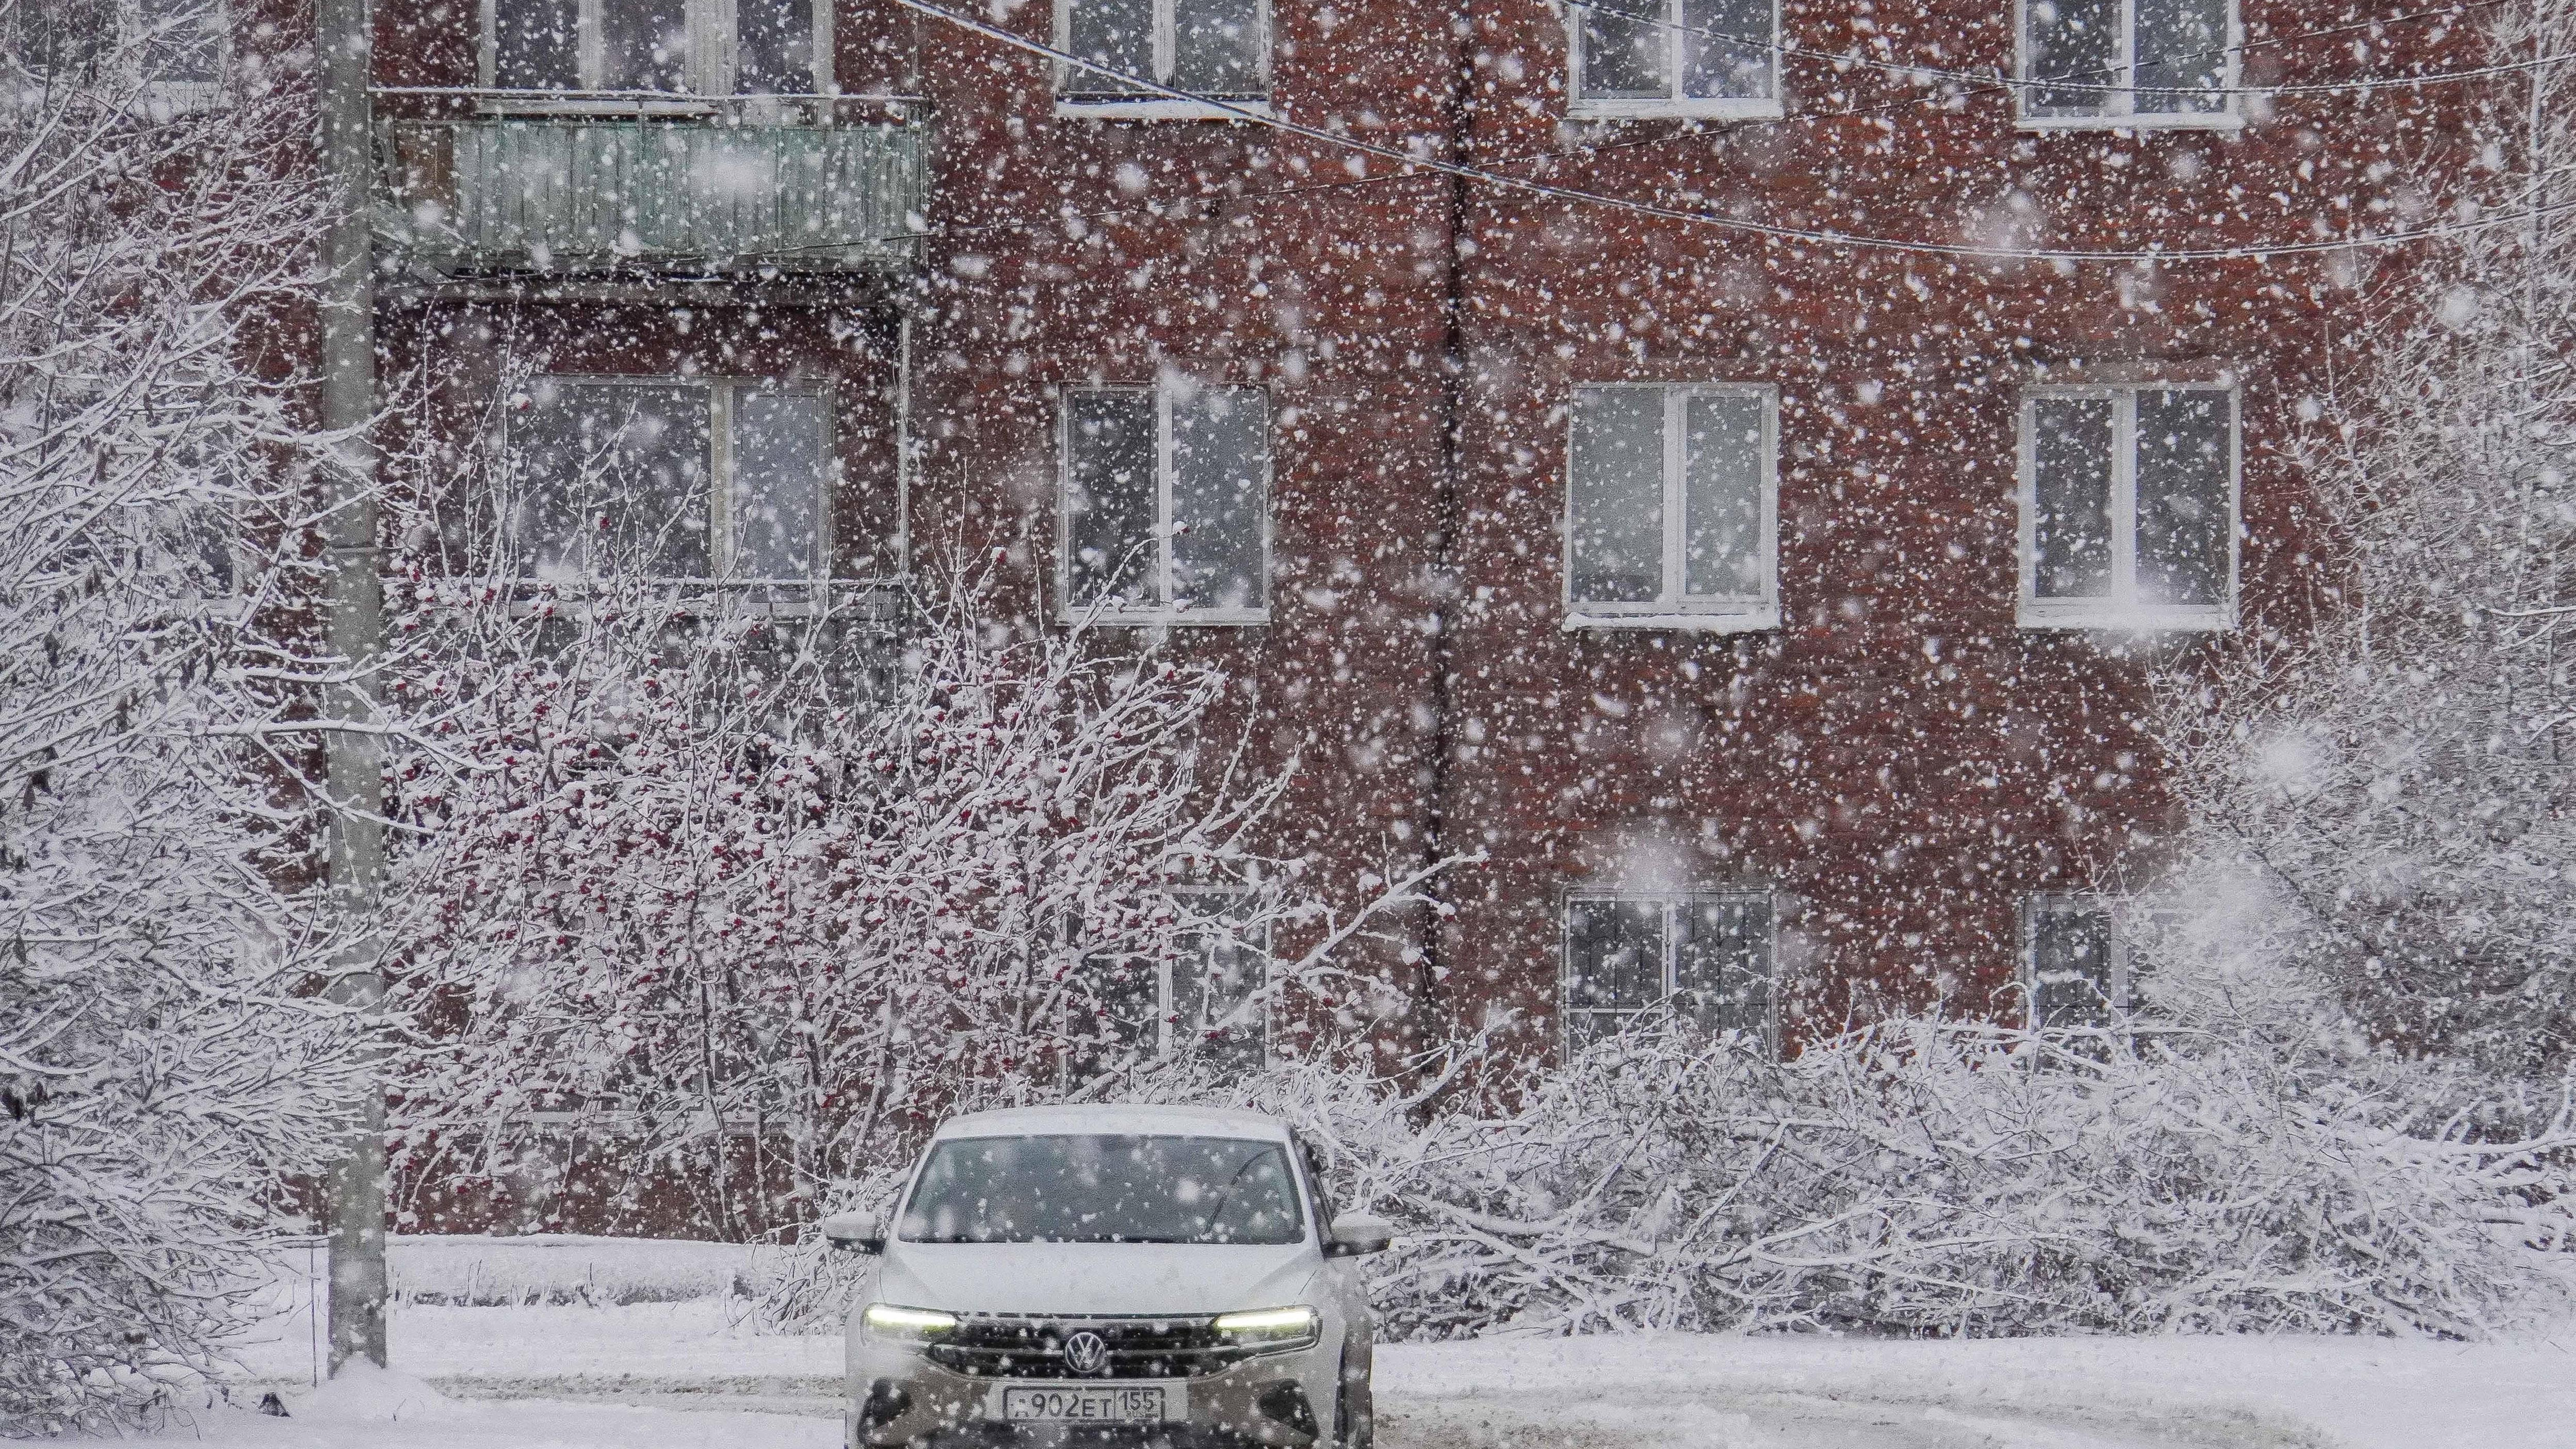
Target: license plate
(1091, 1404)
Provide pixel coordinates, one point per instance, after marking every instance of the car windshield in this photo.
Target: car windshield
(1104, 1189)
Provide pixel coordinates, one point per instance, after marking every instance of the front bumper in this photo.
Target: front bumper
(1277, 1400)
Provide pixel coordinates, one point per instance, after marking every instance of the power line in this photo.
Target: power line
(2069, 82)
(1772, 230)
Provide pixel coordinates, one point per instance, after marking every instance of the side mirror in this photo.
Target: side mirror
(1357, 1234)
(860, 1232)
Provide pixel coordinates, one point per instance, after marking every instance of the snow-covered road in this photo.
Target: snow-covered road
(693, 1375)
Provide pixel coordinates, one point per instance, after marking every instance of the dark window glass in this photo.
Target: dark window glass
(1726, 51)
(644, 45)
(2181, 56)
(1626, 50)
(2071, 487)
(1722, 497)
(781, 460)
(1220, 497)
(1617, 495)
(1218, 48)
(2076, 41)
(1217, 1006)
(1110, 505)
(2184, 519)
(1104, 1189)
(774, 47)
(610, 478)
(2070, 967)
(1722, 963)
(536, 45)
(1116, 34)
(1614, 964)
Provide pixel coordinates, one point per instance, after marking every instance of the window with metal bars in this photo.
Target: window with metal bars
(1709, 956)
(2075, 962)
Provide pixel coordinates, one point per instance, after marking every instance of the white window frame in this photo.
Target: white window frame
(711, 72)
(1678, 611)
(2121, 914)
(2121, 611)
(1166, 45)
(1582, 108)
(1670, 902)
(2118, 101)
(721, 392)
(1167, 1044)
(163, 98)
(1070, 610)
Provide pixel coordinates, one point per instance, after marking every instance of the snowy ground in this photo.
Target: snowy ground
(695, 1372)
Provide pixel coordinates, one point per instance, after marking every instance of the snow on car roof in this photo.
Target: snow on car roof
(1130, 1120)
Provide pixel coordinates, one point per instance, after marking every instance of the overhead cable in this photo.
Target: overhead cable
(1773, 230)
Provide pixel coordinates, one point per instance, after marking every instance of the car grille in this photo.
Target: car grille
(1033, 1348)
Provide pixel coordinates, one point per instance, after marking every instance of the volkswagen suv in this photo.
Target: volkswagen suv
(1161, 1276)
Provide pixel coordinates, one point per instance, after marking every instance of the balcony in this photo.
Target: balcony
(690, 195)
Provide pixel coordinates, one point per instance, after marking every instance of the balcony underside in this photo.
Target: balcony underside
(555, 197)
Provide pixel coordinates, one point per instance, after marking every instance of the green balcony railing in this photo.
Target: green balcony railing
(586, 195)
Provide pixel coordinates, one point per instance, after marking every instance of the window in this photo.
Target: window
(1167, 502)
(2128, 62)
(1218, 49)
(169, 51)
(1672, 508)
(1208, 1003)
(669, 478)
(2128, 508)
(1709, 955)
(1675, 57)
(2073, 962)
(690, 47)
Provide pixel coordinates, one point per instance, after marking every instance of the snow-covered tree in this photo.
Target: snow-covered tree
(2387, 797)
(161, 1077)
(756, 900)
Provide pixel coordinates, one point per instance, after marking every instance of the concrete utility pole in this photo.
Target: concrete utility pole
(354, 774)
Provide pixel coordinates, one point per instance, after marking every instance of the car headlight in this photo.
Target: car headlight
(1268, 1330)
(907, 1325)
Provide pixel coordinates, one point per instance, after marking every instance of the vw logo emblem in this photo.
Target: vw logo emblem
(1086, 1352)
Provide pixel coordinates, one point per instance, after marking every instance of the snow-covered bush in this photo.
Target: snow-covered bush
(2383, 793)
(159, 1077)
(2235, 1159)
(753, 901)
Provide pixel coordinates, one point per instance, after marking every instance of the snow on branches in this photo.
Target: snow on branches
(764, 898)
(159, 1077)
(2205, 1172)
(2385, 797)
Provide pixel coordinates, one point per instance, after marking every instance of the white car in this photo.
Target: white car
(1111, 1275)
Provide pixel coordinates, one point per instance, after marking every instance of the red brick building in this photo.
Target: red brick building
(1740, 488)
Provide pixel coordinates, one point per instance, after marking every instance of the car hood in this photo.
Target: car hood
(1094, 1278)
